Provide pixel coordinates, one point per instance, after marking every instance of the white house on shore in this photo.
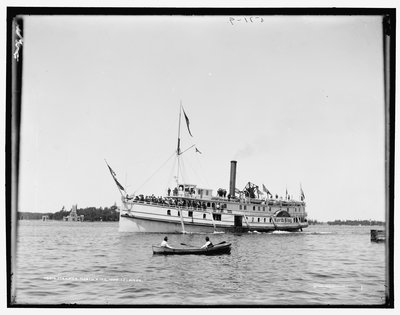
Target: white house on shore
(73, 216)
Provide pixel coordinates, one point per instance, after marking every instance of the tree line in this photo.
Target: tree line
(347, 222)
(312, 222)
(356, 222)
(90, 214)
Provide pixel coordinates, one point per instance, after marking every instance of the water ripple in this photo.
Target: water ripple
(322, 265)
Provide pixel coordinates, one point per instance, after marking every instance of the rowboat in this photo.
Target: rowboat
(215, 250)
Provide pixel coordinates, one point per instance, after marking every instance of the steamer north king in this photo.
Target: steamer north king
(188, 208)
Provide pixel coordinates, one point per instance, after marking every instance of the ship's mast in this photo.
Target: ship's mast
(178, 150)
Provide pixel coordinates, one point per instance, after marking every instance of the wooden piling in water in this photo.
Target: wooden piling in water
(378, 236)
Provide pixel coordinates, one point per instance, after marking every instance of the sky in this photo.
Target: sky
(295, 100)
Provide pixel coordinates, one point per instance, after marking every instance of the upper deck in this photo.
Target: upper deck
(196, 199)
(191, 192)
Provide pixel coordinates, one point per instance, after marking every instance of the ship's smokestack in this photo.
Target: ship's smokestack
(232, 181)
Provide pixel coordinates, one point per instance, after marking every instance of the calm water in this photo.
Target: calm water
(92, 263)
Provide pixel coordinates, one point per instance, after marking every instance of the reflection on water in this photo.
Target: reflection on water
(92, 263)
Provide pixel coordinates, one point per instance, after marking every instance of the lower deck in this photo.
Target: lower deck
(151, 217)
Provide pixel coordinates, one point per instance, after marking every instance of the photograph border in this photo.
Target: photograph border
(13, 121)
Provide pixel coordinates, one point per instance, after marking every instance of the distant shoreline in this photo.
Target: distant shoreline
(90, 214)
(349, 222)
(356, 222)
(111, 214)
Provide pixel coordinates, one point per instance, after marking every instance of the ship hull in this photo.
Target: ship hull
(131, 222)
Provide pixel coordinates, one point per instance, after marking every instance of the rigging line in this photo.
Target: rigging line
(182, 170)
(204, 175)
(273, 221)
(181, 215)
(170, 175)
(188, 149)
(247, 222)
(155, 172)
(185, 175)
(193, 169)
(213, 222)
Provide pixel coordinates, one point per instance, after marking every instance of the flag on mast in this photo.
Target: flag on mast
(266, 190)
(120, 187)
(302, 194)
(187, 121)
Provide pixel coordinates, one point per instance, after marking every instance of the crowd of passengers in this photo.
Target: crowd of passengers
(166, 201)
(171, 202)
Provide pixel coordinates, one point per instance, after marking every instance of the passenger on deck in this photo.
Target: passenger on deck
(208, 243)
(164, 243)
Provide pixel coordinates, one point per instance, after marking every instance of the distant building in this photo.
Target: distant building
(73, 216)
(45, 218)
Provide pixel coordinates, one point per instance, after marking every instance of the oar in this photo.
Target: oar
(187, 245)
(220, 243)
(196, 246)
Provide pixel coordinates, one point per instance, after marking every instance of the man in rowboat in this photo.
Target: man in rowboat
(164, 243)
(208, 243)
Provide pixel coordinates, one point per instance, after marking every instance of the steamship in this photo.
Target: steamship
(188, 208)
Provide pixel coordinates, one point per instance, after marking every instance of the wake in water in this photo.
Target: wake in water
(283, 232)
(197, 233)
(319, 233)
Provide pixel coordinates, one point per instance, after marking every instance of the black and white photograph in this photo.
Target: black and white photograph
(188, 157)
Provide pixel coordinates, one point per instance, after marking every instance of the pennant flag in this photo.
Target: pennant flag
(302, 194)
(197, 150)
(119, 185)
(187, 121)
(266, 191)
(111, 171)
(115, 178)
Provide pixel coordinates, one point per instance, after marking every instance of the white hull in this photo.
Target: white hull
(129, 224)
(153, 219)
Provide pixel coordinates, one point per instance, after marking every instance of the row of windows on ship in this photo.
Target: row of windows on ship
(217, 217)
(195, 204)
